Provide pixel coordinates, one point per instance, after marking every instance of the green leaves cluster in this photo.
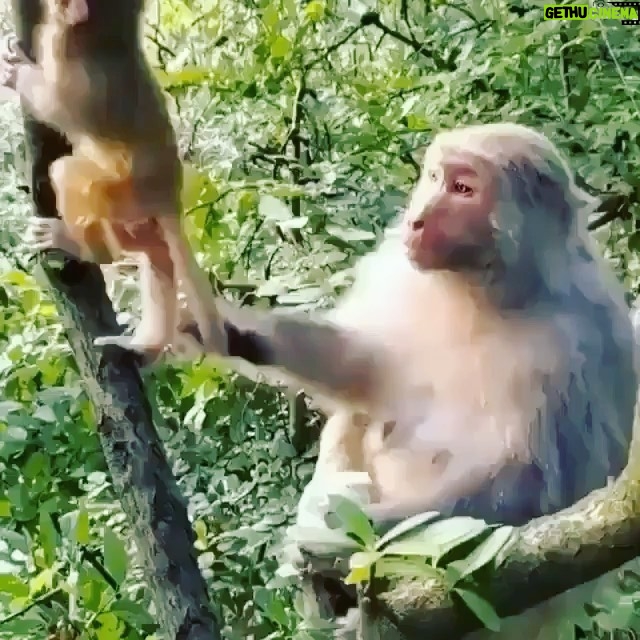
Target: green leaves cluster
(419, 548)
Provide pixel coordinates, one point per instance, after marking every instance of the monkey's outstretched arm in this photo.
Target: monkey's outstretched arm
(335, 361)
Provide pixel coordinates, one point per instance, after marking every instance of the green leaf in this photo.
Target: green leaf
(42, 581)
(405, 526)
(45, 414)
(83, 529)
(14, 586)
(270, 16)
(273, 209)
(579, 99)
(413, 546)
(481, 608)
(350, 235)
(315, 10)
(115, 555)
(7, 407)
(359, 575)
(294, 223)
(411, 567)
(484, 553)
(34, 466)
(280, 47)
(48, 538)
(363, 559)
(354, 520)
(451, 533)
(5, 509)
(438, 538)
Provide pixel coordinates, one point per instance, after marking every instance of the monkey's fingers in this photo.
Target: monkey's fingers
(11, 51)
(186, 345)
(8, 75)
(51, 233)
(11, 57)
(40, 232)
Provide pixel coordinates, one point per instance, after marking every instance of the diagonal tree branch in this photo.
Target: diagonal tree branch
(139, 469)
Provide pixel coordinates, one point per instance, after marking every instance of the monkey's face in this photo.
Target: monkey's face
(447, 224)
(70, 12)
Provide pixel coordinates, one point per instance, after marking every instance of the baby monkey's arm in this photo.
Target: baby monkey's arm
(27, 79)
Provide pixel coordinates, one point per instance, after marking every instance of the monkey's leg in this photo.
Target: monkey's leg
(201, 299)
(341, 443)
(70, 177)
(158, 301)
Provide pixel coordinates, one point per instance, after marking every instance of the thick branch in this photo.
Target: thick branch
(139, 469)
(551, 555)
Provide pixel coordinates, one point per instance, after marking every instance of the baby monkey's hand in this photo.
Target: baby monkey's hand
(12, 57)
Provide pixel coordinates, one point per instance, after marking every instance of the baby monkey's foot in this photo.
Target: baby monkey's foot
(183, 346)
(151, 352)
(51, 233)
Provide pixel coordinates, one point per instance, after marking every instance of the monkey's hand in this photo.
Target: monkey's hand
(248, 345)
(12, 59)
(51, 233)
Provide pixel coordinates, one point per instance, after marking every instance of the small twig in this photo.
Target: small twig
(333, 47)
(45, 597)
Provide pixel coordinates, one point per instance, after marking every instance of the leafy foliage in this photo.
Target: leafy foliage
(301, 121)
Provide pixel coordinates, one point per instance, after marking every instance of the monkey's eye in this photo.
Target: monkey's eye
(461, 187)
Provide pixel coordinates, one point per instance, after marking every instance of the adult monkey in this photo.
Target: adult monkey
(483, 362)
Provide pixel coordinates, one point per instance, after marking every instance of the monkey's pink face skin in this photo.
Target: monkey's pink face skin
(71, 11)
(448, 218)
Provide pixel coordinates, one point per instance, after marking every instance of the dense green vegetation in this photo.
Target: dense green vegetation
(302, 122)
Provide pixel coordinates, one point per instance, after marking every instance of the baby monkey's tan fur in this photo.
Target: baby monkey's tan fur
(119, 190)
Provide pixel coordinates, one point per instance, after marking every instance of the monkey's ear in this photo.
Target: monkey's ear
(75, 11)
(531, 187)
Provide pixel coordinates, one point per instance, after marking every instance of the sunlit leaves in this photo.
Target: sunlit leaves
(273, 209)
(115, 555)
(315, 10)
(280, 47)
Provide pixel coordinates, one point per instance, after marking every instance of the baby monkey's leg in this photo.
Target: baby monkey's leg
(201, 299)
(71, 179)
(158, 292)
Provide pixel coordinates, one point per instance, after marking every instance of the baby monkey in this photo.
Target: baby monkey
(119, 191)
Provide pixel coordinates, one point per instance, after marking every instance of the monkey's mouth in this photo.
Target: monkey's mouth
(458, 258)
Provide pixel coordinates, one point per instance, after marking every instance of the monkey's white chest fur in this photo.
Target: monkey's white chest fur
(466, 383)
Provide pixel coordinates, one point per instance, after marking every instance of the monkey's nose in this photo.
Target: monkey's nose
(416, 225)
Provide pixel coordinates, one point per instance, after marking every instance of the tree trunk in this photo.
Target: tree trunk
(134, 454)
